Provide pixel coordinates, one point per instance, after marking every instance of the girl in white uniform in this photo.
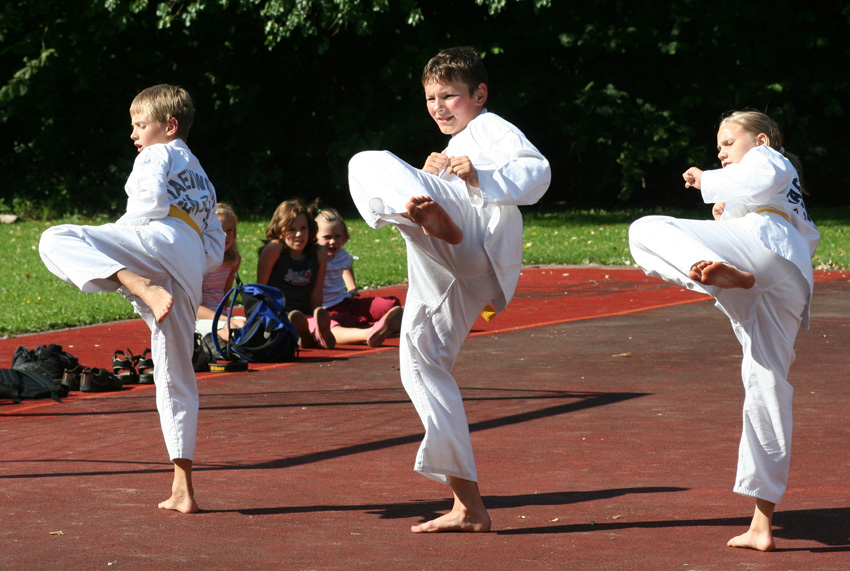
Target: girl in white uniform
(463, 231)
(755, 260)
(156, 256)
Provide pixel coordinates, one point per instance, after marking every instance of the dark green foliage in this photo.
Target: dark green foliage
(620, 96)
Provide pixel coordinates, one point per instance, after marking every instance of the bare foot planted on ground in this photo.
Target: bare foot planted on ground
(182, 503)
(753, 540)
(721, 274)
(455, 520)
(434, 220)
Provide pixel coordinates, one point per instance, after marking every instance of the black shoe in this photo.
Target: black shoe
(71, 377)
(99, 381)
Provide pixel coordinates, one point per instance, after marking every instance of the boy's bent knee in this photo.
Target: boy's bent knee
(645, 227)
(365, 161)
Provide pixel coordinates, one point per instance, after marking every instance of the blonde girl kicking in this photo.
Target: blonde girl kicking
(755, 260)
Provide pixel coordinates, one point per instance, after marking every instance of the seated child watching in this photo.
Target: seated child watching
(292, 262)
(219, 281)
(354, 319)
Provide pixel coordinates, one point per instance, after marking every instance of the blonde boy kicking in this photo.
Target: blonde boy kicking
(463, 231)
(156, 256)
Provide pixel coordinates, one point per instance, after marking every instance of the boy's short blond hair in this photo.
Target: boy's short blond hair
(162, 102)
(456, 64)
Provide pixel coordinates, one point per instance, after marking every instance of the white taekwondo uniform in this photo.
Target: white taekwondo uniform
(764, 230)
(170, 234)
(450, 285)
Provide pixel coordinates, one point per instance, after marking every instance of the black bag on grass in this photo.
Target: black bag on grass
(267, 336)
(28, 384)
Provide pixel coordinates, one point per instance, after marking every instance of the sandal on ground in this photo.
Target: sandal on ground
(145, 368)
(124, 366)
(99, 381)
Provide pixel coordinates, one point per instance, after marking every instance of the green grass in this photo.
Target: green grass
(34, 300)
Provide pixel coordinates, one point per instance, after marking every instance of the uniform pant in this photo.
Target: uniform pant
(448, 288)
(86, 256)
(765, 320)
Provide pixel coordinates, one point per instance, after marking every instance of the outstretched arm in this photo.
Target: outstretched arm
(760, 176)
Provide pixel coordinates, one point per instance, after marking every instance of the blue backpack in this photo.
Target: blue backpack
(267, 336)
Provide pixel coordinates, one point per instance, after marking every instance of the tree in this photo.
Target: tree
(621, 96)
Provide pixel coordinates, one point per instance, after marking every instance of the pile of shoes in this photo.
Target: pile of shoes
(65, 370)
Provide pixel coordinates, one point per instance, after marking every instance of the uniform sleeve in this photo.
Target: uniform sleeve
(510, 169)
(760, 176)
(147, 191)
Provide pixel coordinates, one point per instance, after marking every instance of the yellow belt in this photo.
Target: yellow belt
(782, 214)
(181, 214)
(488, 313)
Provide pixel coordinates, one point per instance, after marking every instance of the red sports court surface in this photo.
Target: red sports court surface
(605, 416)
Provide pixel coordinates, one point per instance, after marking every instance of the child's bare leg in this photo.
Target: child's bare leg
(434, 220)
(721, 274)
(182, 493)
(350, 335)
(468, 512)
(158, 299)
(760, 534)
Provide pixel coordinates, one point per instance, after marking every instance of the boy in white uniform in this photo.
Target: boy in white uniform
(463, 231)
(755, 259)
(156, 255)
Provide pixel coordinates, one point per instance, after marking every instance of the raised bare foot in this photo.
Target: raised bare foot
(158, 299)
(387, 325)
(753, 540)
(721, 274)
(434, 220)
(182, 503)
(455, 520)
(322, 334)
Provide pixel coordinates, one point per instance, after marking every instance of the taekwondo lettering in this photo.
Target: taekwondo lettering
(795, 197)
(179, 187)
